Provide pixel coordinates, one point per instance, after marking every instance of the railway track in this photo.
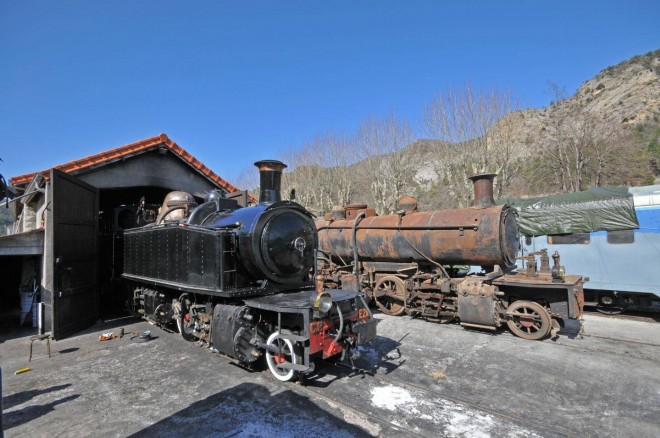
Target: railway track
(653, 317)
(565, 334)
(626, 353)
(624, 341)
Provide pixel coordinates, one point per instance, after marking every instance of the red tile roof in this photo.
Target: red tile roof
(128, 150)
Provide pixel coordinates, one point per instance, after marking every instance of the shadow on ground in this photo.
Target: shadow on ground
(25, 415)
(251, 410)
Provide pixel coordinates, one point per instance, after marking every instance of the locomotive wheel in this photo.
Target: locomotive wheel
(607, 305)
(390, 295)
(528, 320)
(184, 323)
(186, 328)
(609, 310)
(288, 354)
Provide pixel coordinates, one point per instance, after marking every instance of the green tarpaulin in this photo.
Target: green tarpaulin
(600, 208)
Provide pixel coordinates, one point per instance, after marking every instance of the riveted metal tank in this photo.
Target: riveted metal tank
(485, 234)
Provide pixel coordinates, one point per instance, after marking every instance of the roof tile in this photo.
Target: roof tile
(127, 150)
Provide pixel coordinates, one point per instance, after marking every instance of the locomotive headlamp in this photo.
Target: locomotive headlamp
(322, 302)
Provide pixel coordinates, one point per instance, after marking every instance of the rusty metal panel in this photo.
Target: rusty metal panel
(568, 291)
(473, 236)
(71, 257)
(477, 304)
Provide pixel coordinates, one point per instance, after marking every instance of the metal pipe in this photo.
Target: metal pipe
(405, 227)
(355, 248)
(25, 195)
(40, 317)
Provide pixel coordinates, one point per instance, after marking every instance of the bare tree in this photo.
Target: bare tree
(248, 180)
(619, 160)
(386, 166)
(579, 148)
(319, 172)
(337, 155)
(302, 176)
(474, 134)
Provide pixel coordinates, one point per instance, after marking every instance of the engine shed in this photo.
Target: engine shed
(69, 221)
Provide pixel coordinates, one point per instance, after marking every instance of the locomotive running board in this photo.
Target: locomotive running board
(247, 292)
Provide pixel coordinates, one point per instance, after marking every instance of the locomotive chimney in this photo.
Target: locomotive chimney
(270, 176)
(483, 189)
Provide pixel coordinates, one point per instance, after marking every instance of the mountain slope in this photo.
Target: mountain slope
(606, 133)
(624, 95)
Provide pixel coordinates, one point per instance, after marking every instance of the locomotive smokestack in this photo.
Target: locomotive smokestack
(270, 176)
(483, 189)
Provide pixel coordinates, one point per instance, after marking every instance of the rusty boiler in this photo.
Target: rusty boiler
(485, 234)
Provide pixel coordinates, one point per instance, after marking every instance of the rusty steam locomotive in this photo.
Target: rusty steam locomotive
(241, 280)
(418, 262)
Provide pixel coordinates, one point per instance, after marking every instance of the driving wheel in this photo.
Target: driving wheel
(607, 305)
(283, 353)
(390, 295)
(528, 320)
(186, 321)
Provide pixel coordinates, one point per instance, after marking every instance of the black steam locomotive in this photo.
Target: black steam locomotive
(241, 280)
(417, 262)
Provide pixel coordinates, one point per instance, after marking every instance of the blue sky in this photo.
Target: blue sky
(235, 82)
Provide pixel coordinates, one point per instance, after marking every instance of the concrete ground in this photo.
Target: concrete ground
(429, 380)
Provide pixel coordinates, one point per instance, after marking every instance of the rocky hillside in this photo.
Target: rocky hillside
(606, 133)
(622, 102)
(625, 95)
(628, 93)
